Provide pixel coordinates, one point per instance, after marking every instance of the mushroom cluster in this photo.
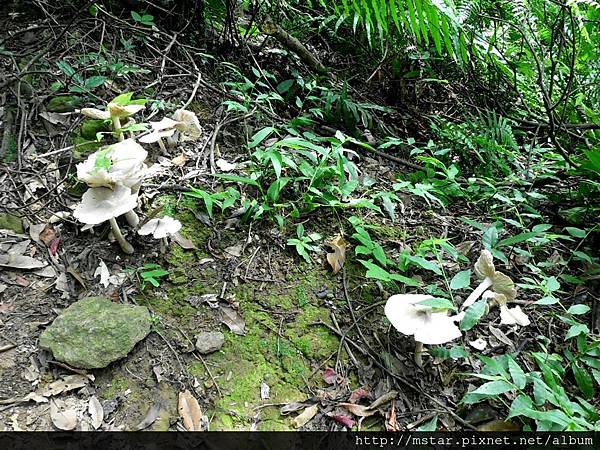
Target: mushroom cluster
(114, 175)
(411, 315)
(497, 288)
(160, 229)
(183, 127)
(115, 112)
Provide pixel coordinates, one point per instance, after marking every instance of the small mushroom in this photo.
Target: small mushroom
(508, 316)
(428, 325)
(100, 204)
(163, 129)
(490, 279)
(160, 229)
(188, 125)
(114, 112)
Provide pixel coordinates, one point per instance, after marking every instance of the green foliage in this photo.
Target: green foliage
(151, 273)
(303, 243)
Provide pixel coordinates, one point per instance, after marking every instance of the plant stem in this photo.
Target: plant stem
(419, 353)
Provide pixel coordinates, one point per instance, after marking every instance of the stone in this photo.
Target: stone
(63, 104)
(209, 341)
(93, 332)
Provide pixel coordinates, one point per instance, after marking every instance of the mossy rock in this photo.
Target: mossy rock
(63, 103)
(11, 222)
(91, 127)
(93, 332)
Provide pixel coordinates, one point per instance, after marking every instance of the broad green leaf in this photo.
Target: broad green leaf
(461, 280)
(578, 309)
(516, 373)
(429, 426)
(520, 406)
(517, 239)
(237, 179)
(493, 388)
(472, 315)
(584, 381)
(260, 136)
(438, 303)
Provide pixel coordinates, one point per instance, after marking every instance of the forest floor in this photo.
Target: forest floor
(296, 335)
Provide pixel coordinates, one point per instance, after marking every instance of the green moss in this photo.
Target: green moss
(174, 304)
(118, 385)
(91, 127)
(63, 103)
(11, 222)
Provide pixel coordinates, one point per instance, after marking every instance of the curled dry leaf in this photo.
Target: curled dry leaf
(184, 242)
(337, 259)
(65, 384)
(265, 391)
(306, 415)
(330, 376)
(189, 411)
(291, 407)
(20, 262)
(63, 420)
(151, 416)
(96, 412)
(382, 400)
(357, 394)
(233, 320)
(47, 235)
(358, 410)
(344, 420)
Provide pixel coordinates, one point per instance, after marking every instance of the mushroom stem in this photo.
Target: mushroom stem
(163, 245)
(419, 353)
(125, 246)
(478, 292)
(161, 144)
(132, 218)
(117, 126)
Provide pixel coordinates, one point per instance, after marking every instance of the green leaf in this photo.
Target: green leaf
(552, 284)
(237, 179)
(429, 426)
(596, 374)
(520, 406)
(490, 237)
(494, 388)
(438, 303)
(517, 239)
(576, 330)
(136, 16)
(516, 373)
(472, 315)
(260, 136)
(461, 280)
(425, 264)
(578, 309)
(285, 86)
(576, 232)
(376, 272)
(584, 381)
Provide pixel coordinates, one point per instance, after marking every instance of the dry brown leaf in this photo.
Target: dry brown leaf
(63, 420)
(291, 407)
(96, 412)
(20, 262)
(151, 416)
(21, 281)
(358, 410)
(306, 415)
(337, 259)
(385, 398)
(233, 320)
(47, 235)
(65, 384)
(499, 426)
(189, 411)
(184, 242)
(180, 160)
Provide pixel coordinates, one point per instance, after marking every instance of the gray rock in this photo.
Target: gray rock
(93, 332)
(209, 341)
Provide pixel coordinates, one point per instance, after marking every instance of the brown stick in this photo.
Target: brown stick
(272, 29)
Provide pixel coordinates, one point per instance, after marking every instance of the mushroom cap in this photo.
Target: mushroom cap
(156, 136)
(94, 113)
(100, 204)
(502, 284)
(410, 318)
(161, 228)
(126, 165)
(484, 267)
(116, 110)
(188, 126)
(165, 124)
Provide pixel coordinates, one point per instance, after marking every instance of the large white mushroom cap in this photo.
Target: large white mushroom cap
(101, 204)
(161, 228)
(112, 110)
(126, 165)
(162, 129)
(189, 126)
(422, 322)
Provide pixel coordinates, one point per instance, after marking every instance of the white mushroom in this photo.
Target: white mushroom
(101, 204)
(160, 229)
(428, 325)
(121, 163)
(508, 316)
(490, 279)
(163, 129)
(189, 127)
(114, 112)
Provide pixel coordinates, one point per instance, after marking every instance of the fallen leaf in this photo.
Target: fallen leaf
(357, 394)
(291, 407)
(385, 398)
(57, 217)
(330, 376)
(338, 257)
(65, 384)
(184, 242)
(20, 262)
(358, 410)
(35, 230)
(513, 316)
(151, 416)
(47, 235)
(63, 420)
(34, 396)
(344, 420)
(265, 391)
(104, 274)
(234, 250)
(4, 307)
(391, 423)
(478, 344)
(180, 160)
(189, 411)
(96, 412)
(54, 246)
(21, 281)
(233, 320)
(55, 118)
(499, 334)
(306, 415)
